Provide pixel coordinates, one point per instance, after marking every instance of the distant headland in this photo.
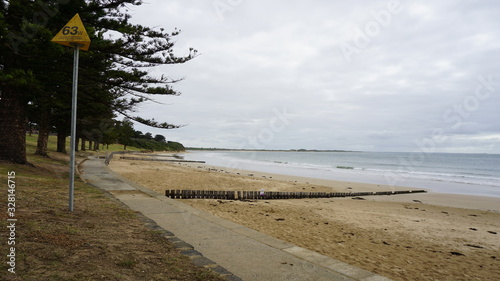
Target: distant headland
(268, 150)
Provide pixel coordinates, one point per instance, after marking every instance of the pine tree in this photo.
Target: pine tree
(114, 73)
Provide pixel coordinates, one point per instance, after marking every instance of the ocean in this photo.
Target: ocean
(456, 173)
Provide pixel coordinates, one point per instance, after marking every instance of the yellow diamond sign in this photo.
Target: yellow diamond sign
(73, 34)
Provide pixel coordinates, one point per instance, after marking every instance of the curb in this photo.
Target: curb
(188, 250)
(184, 248)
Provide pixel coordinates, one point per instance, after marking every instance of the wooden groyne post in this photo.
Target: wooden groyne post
(270, 195)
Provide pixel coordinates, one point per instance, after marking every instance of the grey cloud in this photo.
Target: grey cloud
(265, 55)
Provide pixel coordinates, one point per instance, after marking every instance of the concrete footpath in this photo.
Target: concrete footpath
(233, 250)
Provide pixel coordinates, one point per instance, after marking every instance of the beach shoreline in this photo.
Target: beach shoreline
(436, 173)
(427, 236)
(478, 202)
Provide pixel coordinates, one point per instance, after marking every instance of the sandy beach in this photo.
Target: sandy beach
(428, 236)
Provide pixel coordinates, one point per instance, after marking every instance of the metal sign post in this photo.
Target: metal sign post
(73, 126)
(73, 35)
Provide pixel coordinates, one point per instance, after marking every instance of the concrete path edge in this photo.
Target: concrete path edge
(185, 249)
(348, 271)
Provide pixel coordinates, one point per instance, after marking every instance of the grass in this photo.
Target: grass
(127, 263)
(31, 142)
(99, 240)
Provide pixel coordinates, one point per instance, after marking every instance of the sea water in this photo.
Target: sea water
(473, 174)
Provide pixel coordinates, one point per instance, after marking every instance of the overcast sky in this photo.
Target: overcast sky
(353, 75)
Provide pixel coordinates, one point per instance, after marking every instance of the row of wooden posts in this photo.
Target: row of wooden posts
(246, 195)
(109, 156)
(159, 159)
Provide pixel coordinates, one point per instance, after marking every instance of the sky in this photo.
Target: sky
(349, 75)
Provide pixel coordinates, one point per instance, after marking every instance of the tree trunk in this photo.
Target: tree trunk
(90, 145)
(61, 142)
(12, 127)
(82, 147)
(43, 133)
